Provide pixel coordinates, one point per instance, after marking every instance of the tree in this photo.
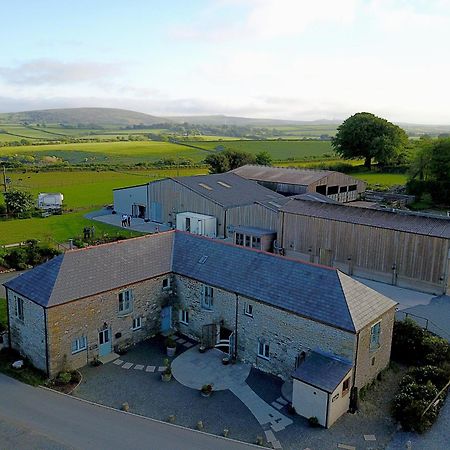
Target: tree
(263, 159)
(367, 136)
(18, 202)
(228, 160)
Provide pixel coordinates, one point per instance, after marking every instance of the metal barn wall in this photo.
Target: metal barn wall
(126, 197)
(396, 257)
(175, 198)
(254, 215)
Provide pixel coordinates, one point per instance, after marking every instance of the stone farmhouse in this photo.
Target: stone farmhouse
(289, 181)
(401, 249)
(328, 332)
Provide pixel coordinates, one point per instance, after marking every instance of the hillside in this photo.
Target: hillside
(86, 116)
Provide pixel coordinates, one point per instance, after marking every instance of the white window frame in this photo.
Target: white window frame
(248, 309)
(167, 287)
(263, 349)
(256, 242)
(184, 316)
(137, 323)
(18, 308)
(375, 336)
(207, 297)
(126, 301)
(239, 239)
(80, 344)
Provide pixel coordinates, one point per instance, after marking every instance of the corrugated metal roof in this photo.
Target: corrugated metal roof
(315, 197)
(254, 231)
(428, 226)
(228, 189)
(312, 291)
(322, 371)
(287, 175)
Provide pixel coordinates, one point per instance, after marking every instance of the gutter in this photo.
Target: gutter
(7, 317)
(47, 362)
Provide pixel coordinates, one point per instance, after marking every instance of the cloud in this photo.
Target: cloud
(54, 72)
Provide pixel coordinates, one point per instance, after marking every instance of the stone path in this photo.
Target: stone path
(129, 365)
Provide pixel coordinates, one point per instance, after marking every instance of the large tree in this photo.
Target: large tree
(18, 202)
(226, 160)
(367, 136)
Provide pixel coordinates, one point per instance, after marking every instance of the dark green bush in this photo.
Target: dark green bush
(313, 422)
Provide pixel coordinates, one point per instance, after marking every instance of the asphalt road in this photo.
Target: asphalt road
(33, 418)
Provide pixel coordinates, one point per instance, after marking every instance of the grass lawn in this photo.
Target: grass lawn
(375, 179)
(3, 320)
(28, 374)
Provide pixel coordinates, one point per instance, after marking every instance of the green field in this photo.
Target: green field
(375, 179)
(278, 149)
(109, 152)
(83, 191)
(3, 315)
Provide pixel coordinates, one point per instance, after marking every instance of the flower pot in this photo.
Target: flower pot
(225, 361)
(171, 351)
(205, 393)
(202, 349)
(166, 377)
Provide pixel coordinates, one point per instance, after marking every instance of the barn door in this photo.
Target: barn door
(156, 212)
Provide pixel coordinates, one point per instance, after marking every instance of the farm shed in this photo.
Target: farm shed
(197, 224)
(48, 200)
(321, 387)
(289, 181)
(402, 249)
(213, 195)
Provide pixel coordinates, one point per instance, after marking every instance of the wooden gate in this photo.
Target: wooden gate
(209, 335)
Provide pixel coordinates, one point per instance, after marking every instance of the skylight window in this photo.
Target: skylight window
(205, 186)
(203, 259)
(224, 184)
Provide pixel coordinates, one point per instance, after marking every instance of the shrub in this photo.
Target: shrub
(64, 378)
(313, 422)
(170, 343)
(407, 341)
(422, 375)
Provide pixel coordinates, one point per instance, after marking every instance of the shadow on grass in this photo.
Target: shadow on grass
(27, 374)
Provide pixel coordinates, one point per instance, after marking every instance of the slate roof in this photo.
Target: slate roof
(428, 226)
(228, 189)
(287, 175)
(322, 371)
(312, 291)
(88, 271)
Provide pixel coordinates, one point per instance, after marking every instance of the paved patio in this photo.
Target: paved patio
(106, 216)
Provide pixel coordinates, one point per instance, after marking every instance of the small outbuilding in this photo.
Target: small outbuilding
(291, 181)
(321, 387)
(48, 201)
(195, 223)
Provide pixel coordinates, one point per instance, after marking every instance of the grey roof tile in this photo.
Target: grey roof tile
(322, 371)
(228, 189)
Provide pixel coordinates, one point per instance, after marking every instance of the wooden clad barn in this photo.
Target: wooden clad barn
(289, 181)
(213, 195)
(398, 248)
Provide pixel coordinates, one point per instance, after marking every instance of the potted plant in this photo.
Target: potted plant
(202, 348)
(226, 360)
(171, 347)
(166, 375)
(206, 390)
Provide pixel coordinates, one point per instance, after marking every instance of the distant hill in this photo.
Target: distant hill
(247, 121)
(89, 116)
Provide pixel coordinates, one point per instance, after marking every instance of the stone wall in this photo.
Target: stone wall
(86, 317)
(286, 333)
(28, 336)
(370, 363)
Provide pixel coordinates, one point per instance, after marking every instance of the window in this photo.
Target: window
(184, 316)
(375, 336)
(207, 297)
(248, 310)
(352, 187)
(256, 242)
(79, 344)
(247, 241)
(263, 349)
(166, 283)
(322, 189)
(333, 190)
(126, 301)
(345, 386)
(343, 189)
(18, 307)
(137, 323)
(239, 239)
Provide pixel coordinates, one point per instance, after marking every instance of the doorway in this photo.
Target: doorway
(104, 341)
